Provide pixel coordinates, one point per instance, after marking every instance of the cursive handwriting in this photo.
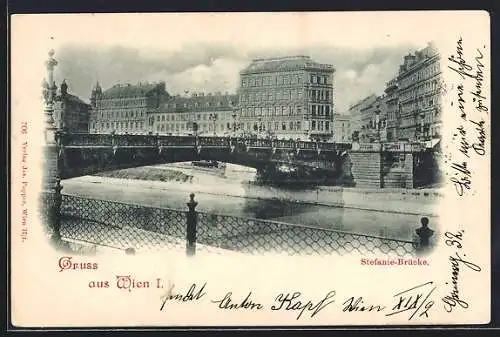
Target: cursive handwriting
(292, 302)
(413, 300)
(479, 77)
(358, 304)
(469, 136)
(189, 295)
(451, 300)
(464, 177)
(247, 303)
(479, 145)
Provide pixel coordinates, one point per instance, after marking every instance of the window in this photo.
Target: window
(313, 110)
(313, 125)
(283, 126)
(313, 79)
(327, 125)
(291, 125)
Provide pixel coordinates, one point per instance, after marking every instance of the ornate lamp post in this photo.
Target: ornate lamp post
(213, 118)
(234, 122)
(52, 182)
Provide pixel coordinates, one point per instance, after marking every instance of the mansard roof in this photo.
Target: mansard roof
(200, 102)
(288, 63)
(131, 91)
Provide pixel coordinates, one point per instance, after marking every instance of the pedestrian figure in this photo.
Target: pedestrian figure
(424, 233)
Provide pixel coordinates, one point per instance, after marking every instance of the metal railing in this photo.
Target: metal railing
(120, 140)
(136, 227)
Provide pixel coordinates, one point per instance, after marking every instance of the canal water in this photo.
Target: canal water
(211, 188)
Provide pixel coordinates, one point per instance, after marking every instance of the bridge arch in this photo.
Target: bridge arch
(84, 154)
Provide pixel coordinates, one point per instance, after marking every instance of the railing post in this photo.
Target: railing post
(57, 211)
(192, 219)
(424, 233)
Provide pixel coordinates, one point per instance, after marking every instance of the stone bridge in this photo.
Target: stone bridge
(82, 153)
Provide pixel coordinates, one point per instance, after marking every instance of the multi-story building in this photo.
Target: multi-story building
(373, 120)
(287, 97)
(361, 113)
(200, 114)
(341, 127)
(392, 106)
(70, 112)
(419, 82)
(126, 108)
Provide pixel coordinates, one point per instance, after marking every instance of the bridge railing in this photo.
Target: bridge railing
(88, 139)
(164, 140)
(134, 140)
(214, 141)
(137, 227)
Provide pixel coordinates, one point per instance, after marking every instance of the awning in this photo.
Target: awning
(430, 144)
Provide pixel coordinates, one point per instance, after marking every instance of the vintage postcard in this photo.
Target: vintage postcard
(250, 169)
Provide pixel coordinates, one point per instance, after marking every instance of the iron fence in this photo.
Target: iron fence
(264, 236)
(124, 226)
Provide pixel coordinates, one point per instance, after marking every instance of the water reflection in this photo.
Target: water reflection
(230, 194)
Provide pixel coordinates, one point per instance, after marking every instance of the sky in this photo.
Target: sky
(205, 52)
(215, 67)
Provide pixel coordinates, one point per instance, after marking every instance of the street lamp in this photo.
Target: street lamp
(213, 118)
(234, 122)
(377, 124)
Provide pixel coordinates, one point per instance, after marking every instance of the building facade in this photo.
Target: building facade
(360, 114)
(341, 127)
(392, 106)
(70, 112)
(200, 114)
(419, 86)
(287, 97)
(126, 108)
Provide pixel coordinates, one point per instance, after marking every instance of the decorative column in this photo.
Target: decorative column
(52, 183)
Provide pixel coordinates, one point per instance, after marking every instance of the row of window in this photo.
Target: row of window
(428, 130)
(316, 110)
(290, 79)
(424, 73)
(272, 126)
(292, 94)
(122, 102)
(176, 127)
(421, 89)
(122, 113)
(410, 107)
(199, 117)
(119, 125)
(320, 125)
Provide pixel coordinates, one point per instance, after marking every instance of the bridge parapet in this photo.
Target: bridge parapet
(87, 139)
(100, 140)
(176, 141)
